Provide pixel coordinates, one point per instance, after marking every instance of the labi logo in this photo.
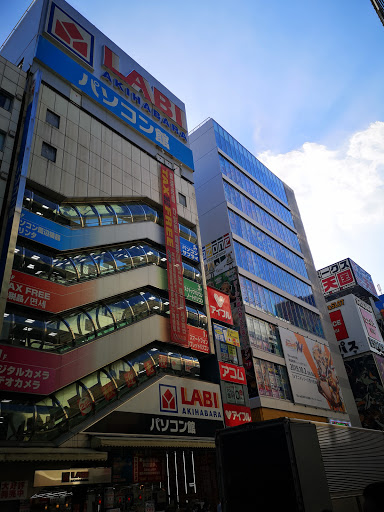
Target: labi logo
(71, 34)
(168, 398)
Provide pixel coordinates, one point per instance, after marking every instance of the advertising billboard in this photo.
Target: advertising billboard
(218, 256)
(64, 238)
(338, 325)
(363, 279)
(219, 305)
(46, 295)
(178, 316)
(226, 335)
(367, 389)
(311, 372)
(355, 326)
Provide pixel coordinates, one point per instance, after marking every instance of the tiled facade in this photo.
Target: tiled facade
(12, 85)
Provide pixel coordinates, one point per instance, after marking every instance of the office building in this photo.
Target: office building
(104, 329)
(255, 249)
(378, 5)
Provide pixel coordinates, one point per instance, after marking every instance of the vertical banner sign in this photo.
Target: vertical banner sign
(16, 200)
(178, 316)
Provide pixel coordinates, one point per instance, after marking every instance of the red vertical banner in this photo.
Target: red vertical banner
(178, 315)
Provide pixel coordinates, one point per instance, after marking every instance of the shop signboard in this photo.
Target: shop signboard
(198, 339)
(178, 397)
(112, 94)
(336, 277)
(124, 422)
(13, 490)
(219, 305)
(311, 372)
(218, 256)
(193, 291)
(73, 476)
(236, 415)
(148, 469)
(355, 326)
(178, 317)
(343, 275)
(232, 373)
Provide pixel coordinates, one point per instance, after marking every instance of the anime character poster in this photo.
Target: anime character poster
(311, 372)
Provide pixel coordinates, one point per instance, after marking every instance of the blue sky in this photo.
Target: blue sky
(299, 83)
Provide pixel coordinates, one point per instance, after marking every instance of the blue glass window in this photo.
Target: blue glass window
(249, 162)
(256, 213)
(274, 304)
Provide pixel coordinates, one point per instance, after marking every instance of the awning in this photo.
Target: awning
(15, 454)
(152, 441)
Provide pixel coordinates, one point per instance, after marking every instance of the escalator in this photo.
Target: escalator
(52, 419)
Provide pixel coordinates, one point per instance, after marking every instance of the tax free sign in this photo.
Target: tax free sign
(87, 59)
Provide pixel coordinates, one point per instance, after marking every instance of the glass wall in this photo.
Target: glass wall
(91, 215)
(64, 332)
(259, 239)
(250, 163)
(94, 263)
(272, 380)
(259, 215)
(255, 190)
(264, 336)
(274, 304)
(275, 275)
(46, 419)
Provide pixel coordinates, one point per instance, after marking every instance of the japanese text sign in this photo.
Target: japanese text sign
(178, 316)
(236, 414)
(78, 76)
(198, 339)
(219, 306)
(232, 373)
(336, 277)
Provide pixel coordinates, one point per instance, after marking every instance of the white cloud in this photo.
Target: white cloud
(340, 193)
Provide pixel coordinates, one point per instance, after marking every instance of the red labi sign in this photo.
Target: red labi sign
(219, 305)
(232, 373)
(236, 415)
